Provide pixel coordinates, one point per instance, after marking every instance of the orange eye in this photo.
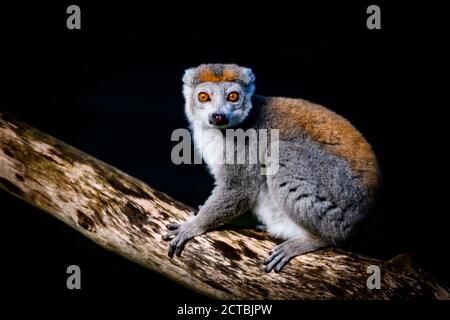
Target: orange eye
(233, 96)
(203, 97)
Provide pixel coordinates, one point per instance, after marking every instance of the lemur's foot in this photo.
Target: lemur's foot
(281, 254)
(179, 234)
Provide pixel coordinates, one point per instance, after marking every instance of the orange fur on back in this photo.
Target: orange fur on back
(296, 116)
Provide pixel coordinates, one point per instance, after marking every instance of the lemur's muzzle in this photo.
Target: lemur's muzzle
(218, 119)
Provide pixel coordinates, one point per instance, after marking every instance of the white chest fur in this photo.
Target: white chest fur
(210, 145)
(276, 221)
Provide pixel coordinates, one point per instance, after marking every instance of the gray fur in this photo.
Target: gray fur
(316, 190)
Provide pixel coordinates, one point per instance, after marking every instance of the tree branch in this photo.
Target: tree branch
(126, 216)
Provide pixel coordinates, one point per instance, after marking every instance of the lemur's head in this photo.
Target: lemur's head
(218, 95)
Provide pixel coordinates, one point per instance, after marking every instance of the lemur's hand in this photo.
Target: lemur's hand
(179, 234)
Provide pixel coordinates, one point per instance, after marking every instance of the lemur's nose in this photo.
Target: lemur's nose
(219, 119)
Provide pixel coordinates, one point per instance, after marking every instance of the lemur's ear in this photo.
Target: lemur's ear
(188, 77)
(247, 76)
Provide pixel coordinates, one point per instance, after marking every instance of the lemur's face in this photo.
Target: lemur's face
(220, 104)
(218, 95)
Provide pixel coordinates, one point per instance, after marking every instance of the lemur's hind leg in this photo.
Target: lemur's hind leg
(281, 254)
(317, 191)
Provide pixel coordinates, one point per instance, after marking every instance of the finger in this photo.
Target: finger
(169, 235)
(282, 263)
(179, 248)
(271, 257)
(276, 248)
(172, 226)
(172, 246)
(279, 246)
(272, 264)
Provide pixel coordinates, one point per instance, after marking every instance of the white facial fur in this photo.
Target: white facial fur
(209, 143)
(218, 92)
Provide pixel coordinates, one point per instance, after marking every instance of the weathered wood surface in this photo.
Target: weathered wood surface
(126, 216)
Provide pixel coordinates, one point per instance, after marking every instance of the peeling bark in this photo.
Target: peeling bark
(126, 216)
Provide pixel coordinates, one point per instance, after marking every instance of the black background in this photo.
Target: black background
(113, 90)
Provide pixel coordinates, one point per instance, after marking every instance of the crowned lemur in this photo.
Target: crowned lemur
(327, 177)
